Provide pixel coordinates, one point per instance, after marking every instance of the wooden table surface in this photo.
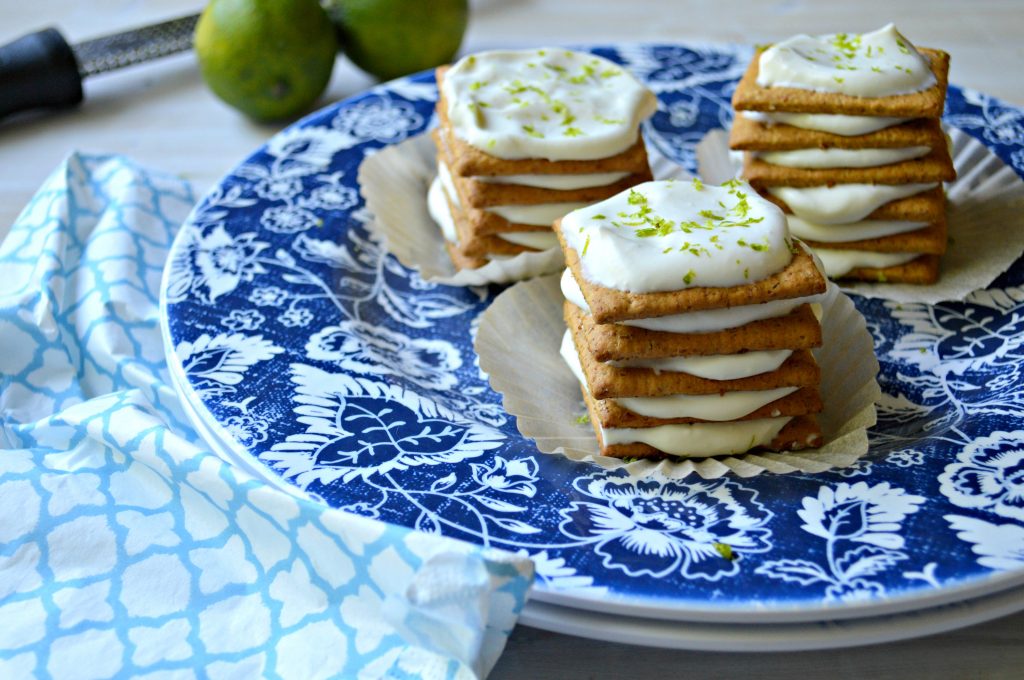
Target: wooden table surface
(161, 115)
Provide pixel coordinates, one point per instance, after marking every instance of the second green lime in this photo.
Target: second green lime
(392, 38)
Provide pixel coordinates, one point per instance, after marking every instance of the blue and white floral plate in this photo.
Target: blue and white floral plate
(316, 359)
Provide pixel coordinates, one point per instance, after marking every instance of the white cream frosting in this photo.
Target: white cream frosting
(714, 366)
(546, 103)
(705, 321)
(877, 64)
(852, 231)
(698, 440)
(841, 158)
(843, 203)
(543, 214)
(714, 407)
(559, 182)
(840, 262)
(833, 123)
(670, 235)
(540, 240)
(440, 212)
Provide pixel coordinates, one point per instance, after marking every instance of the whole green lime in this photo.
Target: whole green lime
(270, 59)
(392, 38)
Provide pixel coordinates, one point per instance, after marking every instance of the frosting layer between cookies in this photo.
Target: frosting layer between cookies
(840, 262)
(699, 439)
(841, 158)
(561, 182)
(670, 235)
(834, 123)
(547, 103)
(877, 64)
(539, 240)
(713, 407)
(843, 203)
(542, 214)
(852, 231)
(714, 366)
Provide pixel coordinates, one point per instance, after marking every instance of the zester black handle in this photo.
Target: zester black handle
(38, 70)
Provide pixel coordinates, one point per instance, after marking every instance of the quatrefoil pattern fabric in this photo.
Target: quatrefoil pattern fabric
(127, 548)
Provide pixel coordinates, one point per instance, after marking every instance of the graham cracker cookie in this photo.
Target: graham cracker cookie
(615, 342)
(800, 433)
(937, 166)
(800, 278)
(927, 206)
(749, 96)
(923, 270)
(804, 401)
(931, 240)
(751, 135)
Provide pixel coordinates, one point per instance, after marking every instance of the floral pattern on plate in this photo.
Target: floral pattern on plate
(351, 377)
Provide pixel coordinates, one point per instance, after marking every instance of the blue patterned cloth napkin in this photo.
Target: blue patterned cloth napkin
(126, 547)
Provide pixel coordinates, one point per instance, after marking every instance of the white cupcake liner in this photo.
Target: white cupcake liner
(394, 182)
(985, 205)
(518, 342)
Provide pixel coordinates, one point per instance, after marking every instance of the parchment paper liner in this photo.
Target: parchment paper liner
(986, 227)
(394, 182)
(518, 343)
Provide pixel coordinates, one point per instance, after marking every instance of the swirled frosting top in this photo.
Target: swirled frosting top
(547, 103)
(670, 235)
(878, 64)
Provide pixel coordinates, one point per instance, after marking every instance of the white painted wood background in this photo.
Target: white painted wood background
(161, 115)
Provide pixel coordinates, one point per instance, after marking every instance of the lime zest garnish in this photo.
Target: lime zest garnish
(725, 550)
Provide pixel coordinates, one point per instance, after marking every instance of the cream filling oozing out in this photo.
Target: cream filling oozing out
(877, 64)
(714, 407)
(714, 366)
(843, 203)
(670, 235)
(560, 182)
(833, 123)
(840, 262)
(853, 231)
(841, 158)
(706, 321)
(548, 103)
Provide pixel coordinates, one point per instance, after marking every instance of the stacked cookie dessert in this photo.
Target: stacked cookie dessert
(526, 137)
(690, 322)
(842, 131)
